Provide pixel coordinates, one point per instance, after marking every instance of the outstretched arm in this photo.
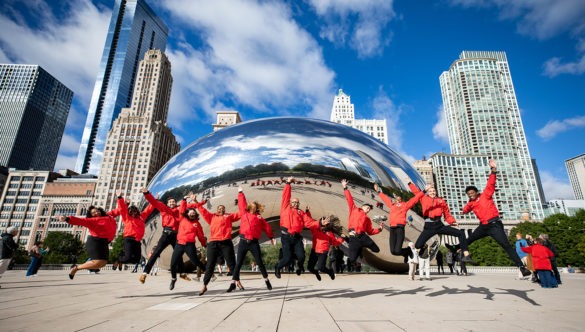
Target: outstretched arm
(347, 193)
(490, 187)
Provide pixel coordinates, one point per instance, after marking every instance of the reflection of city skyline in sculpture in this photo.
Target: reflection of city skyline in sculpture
(318, 153)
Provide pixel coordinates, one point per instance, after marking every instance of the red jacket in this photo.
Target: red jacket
(541, 256)
(102, 227)
(170, 217)
(433, 207)
(358, 219)
(398, 210)
(483, 205)
(294, 220)
(188, 229)
(220, 227)
(252, 224)
(133, 227)
(322, 240)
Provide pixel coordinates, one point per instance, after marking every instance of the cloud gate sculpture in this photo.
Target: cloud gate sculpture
(259, 154)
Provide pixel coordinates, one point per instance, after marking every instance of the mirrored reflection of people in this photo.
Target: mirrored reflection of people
(8, 248)
(325, 234)
(220, 240)
(134, 226)
(484, 207)
(292, 222)
(359, 227)
(541, 256)
(251, 227)
(102, 230)
(170, 216)
(189, 230)
(433, 209)
(398, 210)
(36, 254)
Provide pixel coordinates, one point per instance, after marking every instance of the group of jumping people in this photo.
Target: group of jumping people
(181, 228)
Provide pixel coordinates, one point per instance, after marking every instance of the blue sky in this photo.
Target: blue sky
(270, 58)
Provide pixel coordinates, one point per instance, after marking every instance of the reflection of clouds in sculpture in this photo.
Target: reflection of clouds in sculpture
(289, 141)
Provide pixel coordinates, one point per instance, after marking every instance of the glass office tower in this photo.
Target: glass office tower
(33, 111)
(134, 29)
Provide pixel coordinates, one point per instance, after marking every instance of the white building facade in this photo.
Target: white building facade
(576, 170)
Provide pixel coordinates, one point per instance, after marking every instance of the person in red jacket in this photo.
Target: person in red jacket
(324, 236)
(490, 224)
(398, 210)
(170, 217)
(102, 230)
(359, 226)
(251, 227)
(433, 208)
(133, 231)
(541, 257)
(292, 222)
(189, 228)
(220, 240)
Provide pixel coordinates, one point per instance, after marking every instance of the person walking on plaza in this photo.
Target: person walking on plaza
(323, 237)
(439, 259)
(397, 219)
(433, 208)
(189, 229)
(553, 260)
(170, 216)
(485, 209)
(36, 254)
(251, 227)
(102, 230)
(292, 222)
(134, 225)
(541, 256)
(8, 247)
(412, 261)
(220, 240)
(520, 243)
(359, 227)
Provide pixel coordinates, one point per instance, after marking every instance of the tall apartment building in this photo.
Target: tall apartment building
(33, 111)
(483, 118)
(140, 142)
(425, 169)
(134, 29)
(226, 118)
(343, 112)
(70, 195)
(576, 170)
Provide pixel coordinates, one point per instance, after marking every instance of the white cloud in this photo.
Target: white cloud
(544, 19)
(555, 127)
(440, 130)
(65, 162)
(361, 23)
(555, 188)
(69, 144)
(253, 53)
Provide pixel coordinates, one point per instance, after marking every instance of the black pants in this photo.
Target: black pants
(496, 231)
(132, 251)
(167, 238)
(396, 239)
(356, 243)
(179, 250)
(440, 268)
(450, 267)
(555, 269)
(437, 227)
(292, 245)
(254, 247)
(320, 261)
(216, 249)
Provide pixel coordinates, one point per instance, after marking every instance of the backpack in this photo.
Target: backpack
(449, 257)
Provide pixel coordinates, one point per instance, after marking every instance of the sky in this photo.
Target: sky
(267, 58)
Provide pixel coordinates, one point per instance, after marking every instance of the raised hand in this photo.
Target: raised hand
(492, 163)
(344, 183)
(377, 187)
(290, 179)
(62, 218)
(144, 190)
(428, 186)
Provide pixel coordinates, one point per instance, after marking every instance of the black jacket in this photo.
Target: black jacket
(8, 246)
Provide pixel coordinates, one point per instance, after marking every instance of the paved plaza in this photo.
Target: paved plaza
(116, 301)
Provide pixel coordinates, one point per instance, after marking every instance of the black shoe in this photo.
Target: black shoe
(467, 260)
(232, 287)
(331, 275)
(115, 266)
(298, 271)
(524, 271)
(229, 274)
(277, 271)
(268, 284)
(318, 276)
(172, 285)
(203, 290)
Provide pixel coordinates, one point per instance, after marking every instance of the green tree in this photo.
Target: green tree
(487, 252)
(117, 248)
(64, 248)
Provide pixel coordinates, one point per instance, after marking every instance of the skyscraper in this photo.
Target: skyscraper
(576, 170)
(342, 112)
(140, 142)
(483, 118)
(33, 111)
(134, 29)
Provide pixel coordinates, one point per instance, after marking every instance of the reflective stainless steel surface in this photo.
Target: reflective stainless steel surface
(259, 154)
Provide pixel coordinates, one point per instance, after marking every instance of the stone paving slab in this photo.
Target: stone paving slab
(116, 301)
